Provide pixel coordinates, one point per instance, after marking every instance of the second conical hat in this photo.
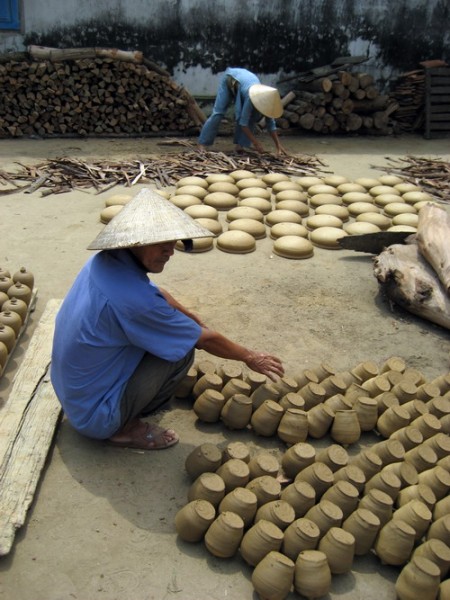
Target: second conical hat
(148, 219)
(266, 100)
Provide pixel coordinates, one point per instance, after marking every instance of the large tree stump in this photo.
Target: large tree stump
(433, 238)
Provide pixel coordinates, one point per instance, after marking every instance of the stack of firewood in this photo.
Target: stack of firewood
(90, 91)
(339, 103)
(409, 92)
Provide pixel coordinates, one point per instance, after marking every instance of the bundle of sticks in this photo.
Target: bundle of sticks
(431, 174)
(62, 175)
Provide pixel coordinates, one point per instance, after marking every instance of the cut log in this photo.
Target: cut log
(408, 280)
(433, 235)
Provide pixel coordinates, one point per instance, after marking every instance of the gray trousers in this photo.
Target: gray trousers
(152, 385)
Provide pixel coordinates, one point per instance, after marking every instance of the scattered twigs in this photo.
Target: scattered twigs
(65, 174)
(432, 175)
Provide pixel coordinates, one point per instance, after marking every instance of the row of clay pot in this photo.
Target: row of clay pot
(354, 523)
(342, 404)
(15, 296)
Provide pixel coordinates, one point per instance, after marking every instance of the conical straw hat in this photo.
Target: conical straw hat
(266, 100)
(148, 219)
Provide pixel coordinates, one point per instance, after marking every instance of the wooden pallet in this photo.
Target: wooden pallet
(437, 102)
(27, 426)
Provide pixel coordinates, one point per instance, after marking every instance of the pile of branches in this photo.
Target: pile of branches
(62, 175)
(430, 174)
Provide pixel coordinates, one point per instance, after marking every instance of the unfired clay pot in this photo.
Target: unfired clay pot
(20, 290)
(24, 276)
(235, 473)
(263, 537)
(364, 525)
(395, 542)
(207, 486)
(300, 495)
(237, 411)
(266, 488)
(417, 514)
(193, 520)
(312, 576)
(263, 463)
(302, 534)
(266, 418)
(241, 501)
(225, 535)
(272, 578)
(339, 547)
(204, 458)
(15, 305)
(345, 428)
(208, 406)
(279, 512)
(293, 427)
(418, 579)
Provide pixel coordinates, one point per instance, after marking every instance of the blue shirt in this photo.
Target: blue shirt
(245, 113)
(110, 318)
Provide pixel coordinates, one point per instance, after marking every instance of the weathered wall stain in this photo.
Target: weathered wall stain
(269, 37)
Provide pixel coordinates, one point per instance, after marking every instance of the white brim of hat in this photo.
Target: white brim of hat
(266, 100)
(148, 219)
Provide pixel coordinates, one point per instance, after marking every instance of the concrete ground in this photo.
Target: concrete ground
(102, 522)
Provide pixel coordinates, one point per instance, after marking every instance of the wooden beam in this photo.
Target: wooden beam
(27, 426)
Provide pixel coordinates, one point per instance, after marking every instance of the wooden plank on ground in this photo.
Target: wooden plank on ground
(27, 426)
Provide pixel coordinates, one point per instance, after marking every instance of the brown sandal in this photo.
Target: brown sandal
(152, 437)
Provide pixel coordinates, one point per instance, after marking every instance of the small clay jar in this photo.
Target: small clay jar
(20, 290)
(443, 383)
(305, 377)
(241, 501)
(208, 381)
(293, 427)
(343, 494)
(444, 590)
(365, 370)
(230, 371)
(423, 457)
(319, 475)
(297, 457)
(419, 491)
(206, 367)
(367, 411)
(193, 520)
(406, 472)
(445, 424)
(4, 298)
(385, 401)
(325, 514)
(417, 514)
(292, 400)
(439, 407)
(405, 391)
(5, 272)
(364, 525)
(15, 305)
(300, 495)
(236, 450)
(376, 385)
(185, 387)
(436, 551)
(235, 473)
(345, 428)
(11, 319)
(390, 451)
(339, 547)
(393, 363)
(334, 384)
(208, 405)
(312, 575)
(440, 444)
(237, 411)
(339, 402)
(369, 462)
(266, 488)
(415, 376)
(380, 503)
(324, 370)
(385, 481)
(204, 458)
(255, 379)
(427, 391)
(302, 534)
(266, 418)
(427, 424)
(262, 538)
(418, 579)
(320, 419)
(266, 391)
(273, 576)
(415, 408)
(263, 463)
(224, 535)
(279, 512)
(438, 479)
(207, 486)
(5, 283)
(408, 436)
(24, 276)
(334, 456)
(440, 530)
(7, 336)
(441, 508)
(353, 475)
(392, 419)
(285, 385)
(395, 542)
(313, 394)
(235, 386)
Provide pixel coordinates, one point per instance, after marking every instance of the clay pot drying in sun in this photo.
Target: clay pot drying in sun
(272, 578)
(193, 520)
(312, 575)
(263, 463)
(225, 535)
(302, 534)
(241, 501)
(266, 419)
(297, 458)
(24, 276)
(237, 411)
(364, 525)
(263, 537)
(339, 547)
(345, 428)
(204, 458)
(15, 305)
(418, 579)
(20, 290)
(395, 542)
(300, 495)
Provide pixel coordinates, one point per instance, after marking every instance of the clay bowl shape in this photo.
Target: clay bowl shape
(316, 221)
(192, 180)
(336, 210)
(236, 242)
(282, 229)
(327, 237)
(282, 216)
(245, 212)
(201, 211)
(292, 246)
(254, 228)
(321, 199)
